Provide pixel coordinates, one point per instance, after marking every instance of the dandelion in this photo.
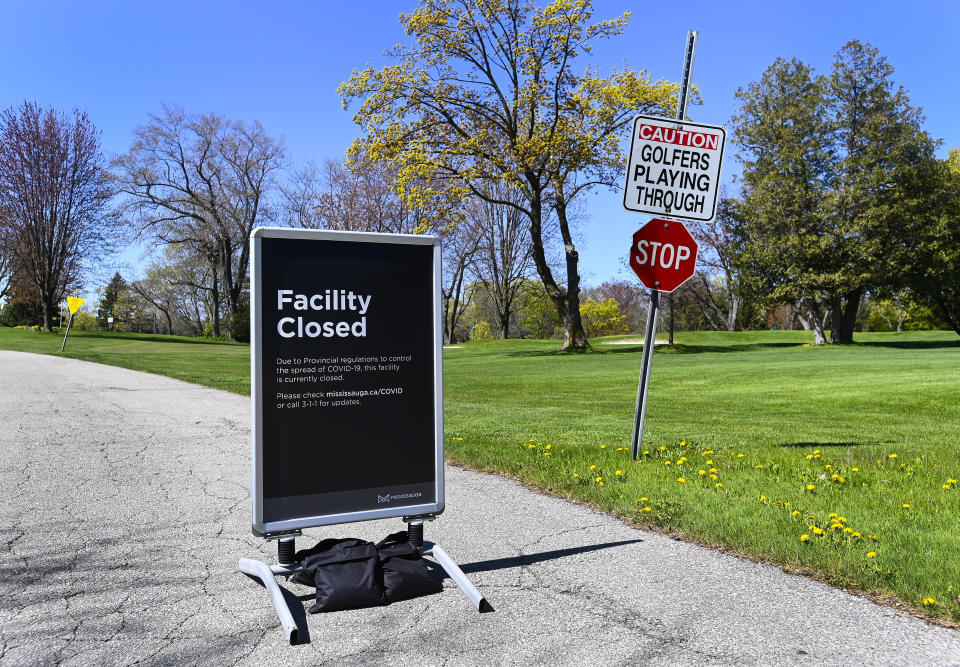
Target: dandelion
(855, 469)
(576, 474)
(739, 456)
(906, 506)
(872, 537)
(832, 515)
(713, 470)
(838, 478)
(758, 466)
(816, 451)
(643, 500)
(794, 512)
(828, 467)
(857, 534)
(647, 509)
(816, 530)
(681, 460)
(646, 452)
(871, 554)
(548, 446)
(619, 472)
(928, 601)
(811, 487)
(945, 486)
(707, 451)
(593, 467)
(704, 472)
(603, 446)
(893, 456)
(809, 457)
(546, 453)
(598, 480)
(848, 529)
(681, 480)
(667, 462)
(719, 485)
(951, 481)
(714, 477)
(763, 497)
(842, 519)
(683, 443)
(663, 448)
(709, 462)
(805, 537)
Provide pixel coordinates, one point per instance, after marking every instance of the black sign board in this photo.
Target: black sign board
(346, 377)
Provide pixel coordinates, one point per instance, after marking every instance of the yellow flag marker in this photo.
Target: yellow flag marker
(74, 303)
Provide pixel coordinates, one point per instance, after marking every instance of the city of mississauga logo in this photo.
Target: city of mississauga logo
(390, 497)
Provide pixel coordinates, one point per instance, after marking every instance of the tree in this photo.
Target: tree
(836, 174)
(502, 262)
(459, 244)
(203, 181)
(603, 318)
(109, 297)
(720, 293)
(488, 94)
(157, 288)
(54, 194)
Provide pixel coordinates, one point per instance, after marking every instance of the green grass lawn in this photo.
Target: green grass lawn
(836, 461)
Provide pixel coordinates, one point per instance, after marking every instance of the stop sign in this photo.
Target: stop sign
(663, 254)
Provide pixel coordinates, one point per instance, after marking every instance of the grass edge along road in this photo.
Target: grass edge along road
(840, 462)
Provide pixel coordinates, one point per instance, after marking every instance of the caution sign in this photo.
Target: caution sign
(674, 168)
(74, 303)
(346, 377)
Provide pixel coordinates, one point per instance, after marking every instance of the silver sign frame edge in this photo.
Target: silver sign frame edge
(259, 526)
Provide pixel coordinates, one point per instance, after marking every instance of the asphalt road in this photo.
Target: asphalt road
(125, 507)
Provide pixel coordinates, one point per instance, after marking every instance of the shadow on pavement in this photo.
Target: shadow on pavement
(530, 559)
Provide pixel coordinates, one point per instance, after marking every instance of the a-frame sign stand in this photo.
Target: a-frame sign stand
(346, 391)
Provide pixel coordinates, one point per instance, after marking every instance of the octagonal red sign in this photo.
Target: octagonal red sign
(663, 254)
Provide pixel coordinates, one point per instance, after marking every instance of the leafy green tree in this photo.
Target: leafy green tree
(488, 94)
(837, 181)
(603, 318)
(107, 306)
(935, 276)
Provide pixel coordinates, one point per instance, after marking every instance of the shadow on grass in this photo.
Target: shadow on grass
(636, 348)
(911, 344)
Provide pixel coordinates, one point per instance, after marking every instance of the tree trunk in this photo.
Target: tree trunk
(844, 310)
(574, 337)
(48, 309)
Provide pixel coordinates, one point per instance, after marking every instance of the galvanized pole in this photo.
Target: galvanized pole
(69, 324)
(651, 334)
(648, 342)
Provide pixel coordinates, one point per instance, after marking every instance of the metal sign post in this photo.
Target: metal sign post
(691, 203)
(346, 390)
(73, 303)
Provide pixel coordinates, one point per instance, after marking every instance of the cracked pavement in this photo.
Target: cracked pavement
(126, 506)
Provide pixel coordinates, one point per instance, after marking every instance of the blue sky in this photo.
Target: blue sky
(281, 62)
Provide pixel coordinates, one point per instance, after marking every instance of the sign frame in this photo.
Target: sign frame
(268, 528)
(710, 211)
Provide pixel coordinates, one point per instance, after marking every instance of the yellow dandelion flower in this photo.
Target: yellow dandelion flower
(663, 448)
(816, 530)
(857, 534)
(855, 469)
(681, 480)
(951, 481)
(872, 537)
(683, 443)
(548, 446)
(805, 537)
(945, 486)
(713, 470)
(714, 477)
(763, 497)
(603, 446)
(646, 452)
(709, 462)
(928, 601)
(576, 474)
(871, 554)
(828, 467)
(598, 480)
(619, 472)
(842, 519)
(593, 467)
(719, 485)
(758, 466)
(794, 512)
(809, 457)
(739, 456)
(546, 453)
(644, 499)
(599, 483)
(667, 462)
(848, 529)
(906, 506)
(704, 472)
(647, 509)
(811, 487)
(816, 451)
(832, 515)
(893, 456)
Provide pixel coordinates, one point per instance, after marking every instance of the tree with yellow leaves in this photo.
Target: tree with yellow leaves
(488, 94)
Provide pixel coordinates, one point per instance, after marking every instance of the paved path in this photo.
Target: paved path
(125, 508)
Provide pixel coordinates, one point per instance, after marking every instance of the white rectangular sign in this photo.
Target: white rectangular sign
(674, 168)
